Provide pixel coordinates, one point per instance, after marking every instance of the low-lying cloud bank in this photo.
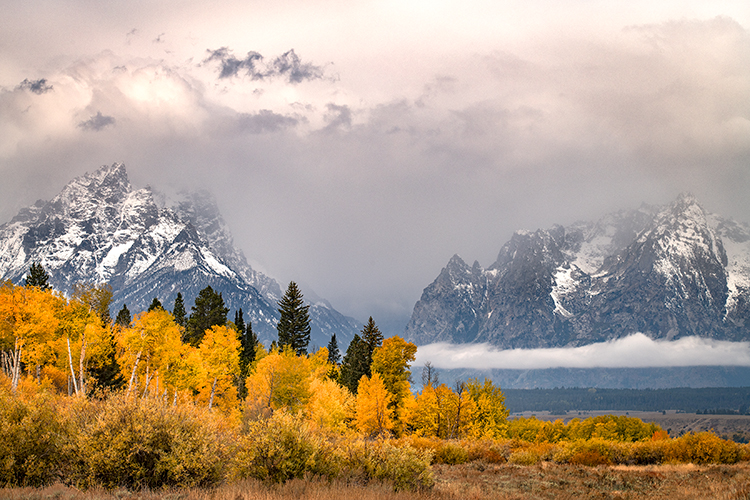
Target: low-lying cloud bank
(634, 351)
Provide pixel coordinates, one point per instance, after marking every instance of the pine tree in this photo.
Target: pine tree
(294, 324)
(373, 338)
(239, 322)
(248, 343)
(178, 312)
(38, 277)
(208, 311)
(123, 317)
(155, 304)
(354, 365)
(334, 356)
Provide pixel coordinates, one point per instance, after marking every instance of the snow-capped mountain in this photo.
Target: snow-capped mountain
(667, 272)
(99, 229)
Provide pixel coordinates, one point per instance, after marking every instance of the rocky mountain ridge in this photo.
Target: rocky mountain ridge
(99, 229)
(667, 272)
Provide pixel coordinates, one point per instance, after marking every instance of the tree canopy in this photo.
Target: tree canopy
(209, 310)
(294, 323)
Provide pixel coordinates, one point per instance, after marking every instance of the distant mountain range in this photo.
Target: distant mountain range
(667, 272)
(145, 245)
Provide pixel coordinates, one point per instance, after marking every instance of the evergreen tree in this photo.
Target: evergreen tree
(123, 317)
(155, 304)
(106, 373)
(178, 312)
(354, 366)
(38, 277)
(334, 356)
(373, 338)
(208, 311)
(248, 343)
(239, 322)
(294, 324)
(358, 358)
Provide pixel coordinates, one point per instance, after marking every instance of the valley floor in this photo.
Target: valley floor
(474, 481)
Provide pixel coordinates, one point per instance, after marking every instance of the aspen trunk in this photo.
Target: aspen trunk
(72, 370)
(213, 391)
(135, 367)
(81, 384)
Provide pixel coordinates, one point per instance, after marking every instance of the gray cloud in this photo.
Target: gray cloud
(36, 86)
(634, 351)
(264, 121)
(97, 122)
(288, 65)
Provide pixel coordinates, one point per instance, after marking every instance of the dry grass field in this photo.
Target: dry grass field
(474, 481)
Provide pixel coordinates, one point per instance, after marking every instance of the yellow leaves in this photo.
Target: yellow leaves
(373, 399)
(219, 350)
(329, 406)
(280, 380)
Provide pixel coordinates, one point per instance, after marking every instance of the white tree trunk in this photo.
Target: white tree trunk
(213, 391)
(135, 367)
(72, 370)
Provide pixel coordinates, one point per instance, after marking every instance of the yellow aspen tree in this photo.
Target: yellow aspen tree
(219, 351)
(392, 361)
(139, 345)
(491, 416)
(279, 380)
(374, 415)
(329, 405)
(27, 327)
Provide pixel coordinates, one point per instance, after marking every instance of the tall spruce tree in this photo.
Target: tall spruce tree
(155, 304)
(209, 310)
(178, 311)
(38, 277)
(248, 344)
(239, 322)
(334, 356)
(294, 323)
(123, 317)
(354, 364)
(358, 358)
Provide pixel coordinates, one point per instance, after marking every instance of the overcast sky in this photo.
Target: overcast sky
(354, 147)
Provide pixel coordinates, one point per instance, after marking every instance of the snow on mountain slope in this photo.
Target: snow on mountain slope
(99, 229)
(667, 272)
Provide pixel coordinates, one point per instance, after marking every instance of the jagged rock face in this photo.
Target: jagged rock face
(670, 272)
(99, 229)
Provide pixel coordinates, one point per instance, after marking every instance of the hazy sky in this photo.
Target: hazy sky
(356, 146)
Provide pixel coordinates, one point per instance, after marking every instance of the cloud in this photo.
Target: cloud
(288, 65)
(97, 122)
(264, 121)
(634, 351)
(36, 86)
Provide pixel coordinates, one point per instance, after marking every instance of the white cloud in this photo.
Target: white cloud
(634, 351)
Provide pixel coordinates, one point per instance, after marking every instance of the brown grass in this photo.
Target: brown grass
(474, 481)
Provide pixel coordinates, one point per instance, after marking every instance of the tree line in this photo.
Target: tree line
(72, 345)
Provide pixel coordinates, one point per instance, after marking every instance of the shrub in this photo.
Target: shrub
(450, 453)
(405, 467)
(704, 448)
(33, 438)
(143, 443)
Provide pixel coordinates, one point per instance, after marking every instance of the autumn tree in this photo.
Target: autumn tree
(373, 406)
(209, 310)
(280, 380)
(491, 416)
(358, 358)
(392, 361)
(219, 350)
(38, 277)
(294, 323)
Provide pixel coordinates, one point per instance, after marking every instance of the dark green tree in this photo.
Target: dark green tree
(358, 358)
(155, 304)
(294, 323)
(38, 277)
(239, 322)
(123, 317)
(334, 356)
(178, 312)
(106, 372)
(372, 338)
(354, 364)
(209, 310)
(248, 344)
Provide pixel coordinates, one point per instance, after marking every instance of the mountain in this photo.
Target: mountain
(99, 229)
(667, 272)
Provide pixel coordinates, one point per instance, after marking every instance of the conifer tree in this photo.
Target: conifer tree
(353, 367)
(155, 304)
(373, 338)
(178, 311)
(294, 323)
(208, 311)
(334, 356)
(123, 317)
(248, 343)
(239, 322)
(38, 277)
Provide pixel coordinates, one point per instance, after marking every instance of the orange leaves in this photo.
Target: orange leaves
(374, 417)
